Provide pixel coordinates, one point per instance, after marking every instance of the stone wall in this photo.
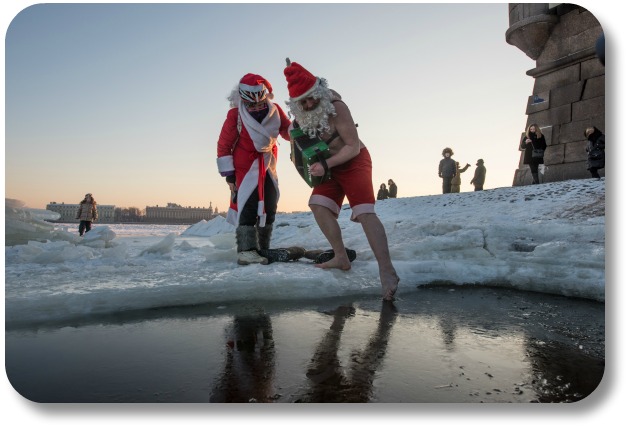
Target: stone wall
(568, 83)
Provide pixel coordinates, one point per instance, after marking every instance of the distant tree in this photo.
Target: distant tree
(128, 215)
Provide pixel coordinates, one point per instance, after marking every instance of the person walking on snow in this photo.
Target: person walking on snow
(247, 158)
(87, 213)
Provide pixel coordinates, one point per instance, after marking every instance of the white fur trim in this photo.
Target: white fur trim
(326, 202)
(249, 183)
(232, 217)
(308, 92)
(256, 88)
(361, 209)
(261, 214)
(225, 164)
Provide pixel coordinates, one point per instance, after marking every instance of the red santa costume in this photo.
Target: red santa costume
(247, 149)
(352, 179)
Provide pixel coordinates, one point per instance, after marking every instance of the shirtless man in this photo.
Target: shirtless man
(320, 111)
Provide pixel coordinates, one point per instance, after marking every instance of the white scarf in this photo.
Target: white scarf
(264, 135)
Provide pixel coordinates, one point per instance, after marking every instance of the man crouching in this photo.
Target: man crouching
(321, 112)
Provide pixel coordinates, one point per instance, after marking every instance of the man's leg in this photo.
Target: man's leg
(447, 185)
(376, 235)
(328, 224)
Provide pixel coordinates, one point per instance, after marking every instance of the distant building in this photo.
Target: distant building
(68, 212)
(176, 214)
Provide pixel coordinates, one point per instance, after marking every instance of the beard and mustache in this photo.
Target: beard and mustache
(316, 120)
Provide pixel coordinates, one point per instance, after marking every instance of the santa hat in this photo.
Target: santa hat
(255, 88)
(301, 83)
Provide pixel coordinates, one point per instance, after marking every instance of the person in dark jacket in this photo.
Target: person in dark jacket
(392, 189)
(595, 150)
(447, 169)
(533, 140)
(479, 176)
(382, 193)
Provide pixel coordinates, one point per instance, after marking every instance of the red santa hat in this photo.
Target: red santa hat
(301, 83)
(254, 88)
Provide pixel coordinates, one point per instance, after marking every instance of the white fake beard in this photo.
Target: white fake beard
(316, 120)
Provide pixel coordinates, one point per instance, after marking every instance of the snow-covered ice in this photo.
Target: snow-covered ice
(548, 238)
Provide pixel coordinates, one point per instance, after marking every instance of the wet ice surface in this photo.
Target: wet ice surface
(437, 344)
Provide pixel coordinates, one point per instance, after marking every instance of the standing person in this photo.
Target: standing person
(321, 111)
(392, 189)
(447, 169)
(382, 192)
(87, 213)
(596, 155)
(479, 176)
(534, 145)
(247, 158)
(457, 181)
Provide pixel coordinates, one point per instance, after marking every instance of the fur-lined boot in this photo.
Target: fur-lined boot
(247, 246)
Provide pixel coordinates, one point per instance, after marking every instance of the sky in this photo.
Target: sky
(127, 101)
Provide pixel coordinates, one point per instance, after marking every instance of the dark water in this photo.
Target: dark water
(434, 345)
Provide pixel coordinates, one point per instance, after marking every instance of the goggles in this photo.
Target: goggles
(253, 97)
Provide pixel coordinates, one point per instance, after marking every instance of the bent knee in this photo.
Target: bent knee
(361, 218)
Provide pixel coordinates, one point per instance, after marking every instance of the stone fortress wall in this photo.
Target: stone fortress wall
(569, 91)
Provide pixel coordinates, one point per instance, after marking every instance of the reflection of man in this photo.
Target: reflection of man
(328, 382)
(319, 111)
(249, 362)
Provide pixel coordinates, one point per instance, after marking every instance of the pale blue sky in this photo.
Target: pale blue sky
(127, 101)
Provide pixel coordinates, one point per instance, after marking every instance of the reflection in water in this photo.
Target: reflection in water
(448, 330)
(562, 374)
(249, 365)
(474, 345)
(249, 362)
(328, 382)
(477, 346)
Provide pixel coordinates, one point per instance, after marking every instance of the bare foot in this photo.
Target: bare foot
(341, 263)
(390, 282)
